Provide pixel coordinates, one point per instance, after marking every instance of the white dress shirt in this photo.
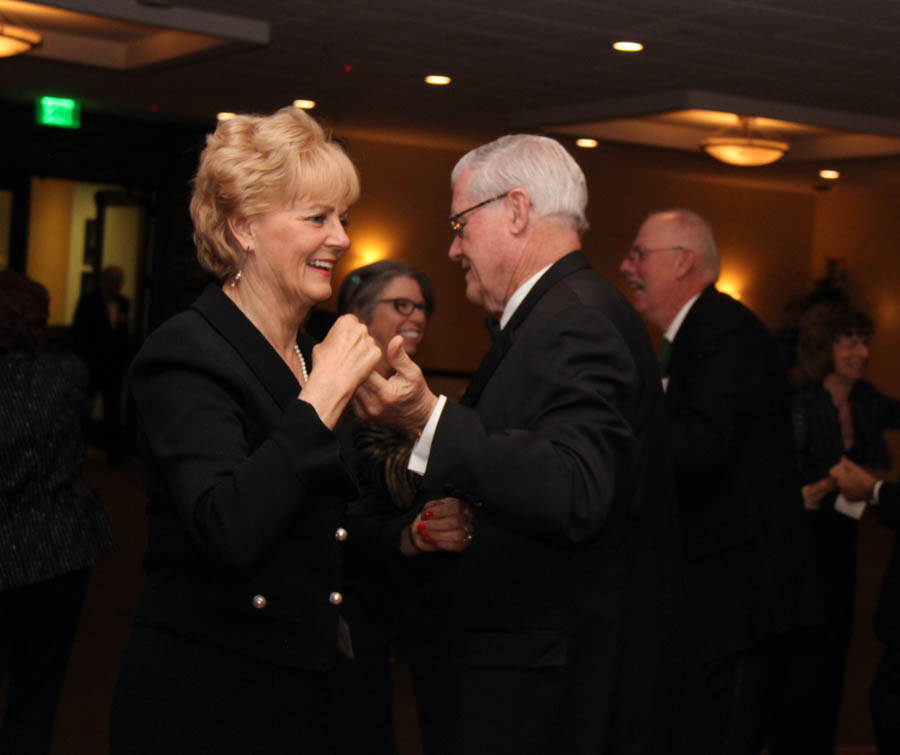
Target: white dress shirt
(418, 460)
(673, 328)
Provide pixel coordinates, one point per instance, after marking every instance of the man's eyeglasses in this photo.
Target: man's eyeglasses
(457, 227)
(638, 253)
(405, 306)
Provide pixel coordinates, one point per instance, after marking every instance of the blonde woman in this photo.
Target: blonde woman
(239, 621)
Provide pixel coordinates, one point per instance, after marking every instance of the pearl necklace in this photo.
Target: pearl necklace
(302, 363)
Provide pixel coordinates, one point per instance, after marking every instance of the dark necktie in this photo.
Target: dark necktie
(665, 356)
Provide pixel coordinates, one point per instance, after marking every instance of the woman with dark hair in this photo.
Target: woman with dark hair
(393, 299)
(51, 528)
(836, 414)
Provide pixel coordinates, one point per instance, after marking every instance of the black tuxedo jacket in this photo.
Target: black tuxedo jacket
(887, 613)
(247, 488)
(560, 444)
(738, 499)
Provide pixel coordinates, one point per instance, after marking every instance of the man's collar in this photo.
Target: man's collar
(519, 295)
(672, 330)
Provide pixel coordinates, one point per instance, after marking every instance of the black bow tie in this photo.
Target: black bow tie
(493, 327)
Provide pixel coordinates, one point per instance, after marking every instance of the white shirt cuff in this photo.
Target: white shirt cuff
(418, 459)
(876, 489)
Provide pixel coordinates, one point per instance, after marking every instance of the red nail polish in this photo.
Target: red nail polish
(424, 534)
(421, 526)
(427, 514)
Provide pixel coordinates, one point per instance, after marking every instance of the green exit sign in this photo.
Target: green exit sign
(61, 112)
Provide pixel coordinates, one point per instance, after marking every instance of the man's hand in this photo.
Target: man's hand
(854, 482)
(403, 400)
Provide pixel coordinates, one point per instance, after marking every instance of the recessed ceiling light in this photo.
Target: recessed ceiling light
(624, 46)
(437, 80)
(831, 175)
(305, 104)
(224, 116)
(586, 143)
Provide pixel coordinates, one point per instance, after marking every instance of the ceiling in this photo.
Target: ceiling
(830, 65)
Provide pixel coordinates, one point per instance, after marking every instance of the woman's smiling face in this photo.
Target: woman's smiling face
(388, 321)
(851, 355)
(295, 249)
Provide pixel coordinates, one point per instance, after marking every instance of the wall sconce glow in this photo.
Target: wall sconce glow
(368, 254)
(368, 247)
(304, 104)
(586, 143)
(830, 175)
(437, 80)
(224, 116)
(624, 46)
(61, 112)
(729, 285)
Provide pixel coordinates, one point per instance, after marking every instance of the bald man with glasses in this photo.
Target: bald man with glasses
(738, 497)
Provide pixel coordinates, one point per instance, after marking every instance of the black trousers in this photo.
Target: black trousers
(729, 712)
(37, 628)
(885, 699)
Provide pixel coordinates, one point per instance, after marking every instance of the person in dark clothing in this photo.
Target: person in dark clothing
(559, 637)
(383, 588)
(239, 622)
(100, 337)
(836, 414)
(727, 399)
(52, 530)
(858, 484)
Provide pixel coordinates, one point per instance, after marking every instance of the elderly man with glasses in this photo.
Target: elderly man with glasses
(561, 612)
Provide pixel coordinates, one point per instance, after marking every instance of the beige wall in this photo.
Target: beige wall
(59, 209)
(49, 226)
(120, 241)
(765, 235)
(121, 244)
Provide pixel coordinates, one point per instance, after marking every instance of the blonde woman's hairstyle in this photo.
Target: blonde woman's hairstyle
(254, 164)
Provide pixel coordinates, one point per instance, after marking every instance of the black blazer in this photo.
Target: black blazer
(247, 490)
(738, 496)
(887, 613)
(560, 444)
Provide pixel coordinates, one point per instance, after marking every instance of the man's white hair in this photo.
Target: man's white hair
(537, 164)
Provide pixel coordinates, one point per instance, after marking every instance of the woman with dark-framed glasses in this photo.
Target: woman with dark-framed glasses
(386, 594)
(391, 298)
